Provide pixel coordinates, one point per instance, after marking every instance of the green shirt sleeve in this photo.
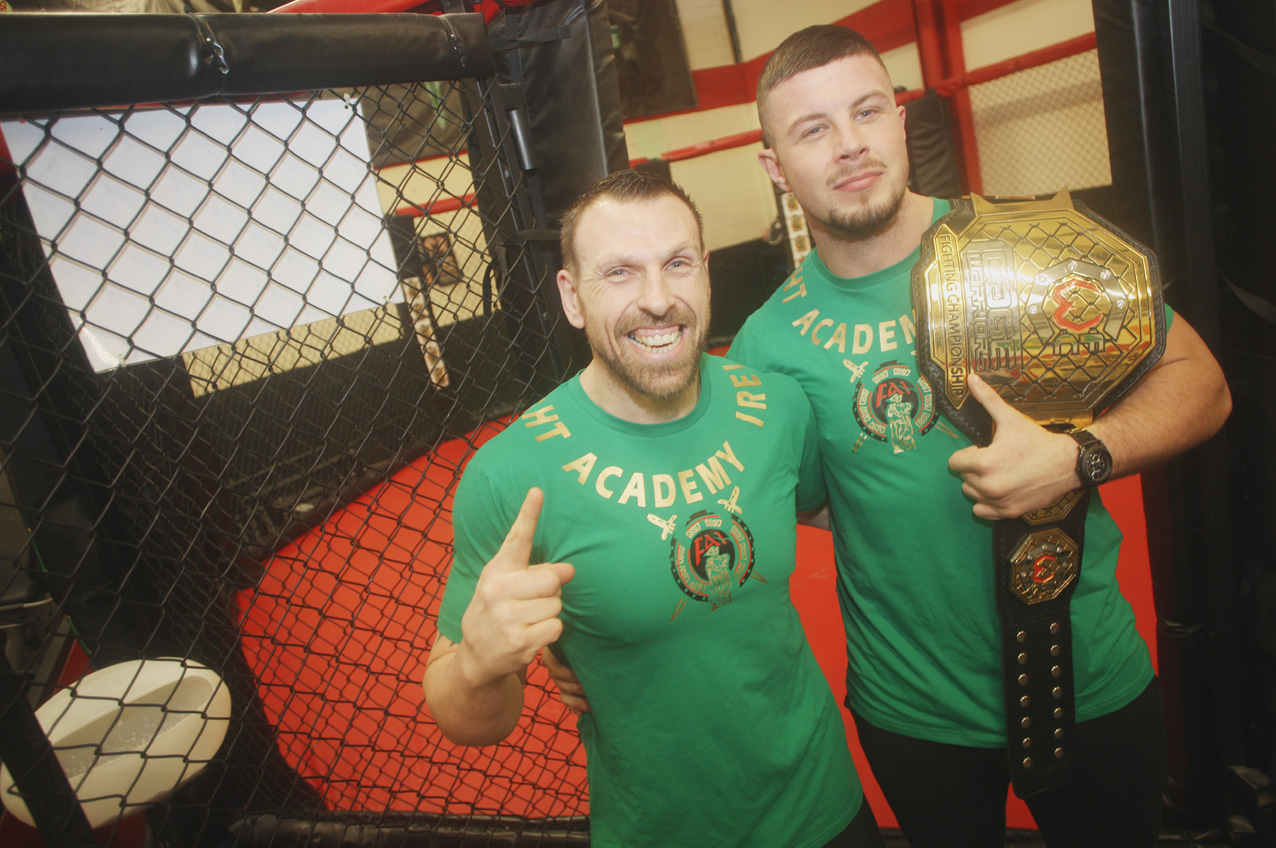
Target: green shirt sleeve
(811, 492)
(477, 536)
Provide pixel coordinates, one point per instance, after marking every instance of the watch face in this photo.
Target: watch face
(1098, 464)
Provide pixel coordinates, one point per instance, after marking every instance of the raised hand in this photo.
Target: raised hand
(1026, 467)
(515, 608)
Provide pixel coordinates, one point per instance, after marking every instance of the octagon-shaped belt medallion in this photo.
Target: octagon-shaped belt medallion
(1043, 565)
(1054, 307)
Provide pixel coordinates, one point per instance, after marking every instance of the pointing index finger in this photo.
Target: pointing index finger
(516, 550)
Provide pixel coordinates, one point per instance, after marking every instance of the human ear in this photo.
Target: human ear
(771, 164)
(571, 305)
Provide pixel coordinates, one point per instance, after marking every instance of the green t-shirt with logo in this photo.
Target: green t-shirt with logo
(711, 723)
(915, 576)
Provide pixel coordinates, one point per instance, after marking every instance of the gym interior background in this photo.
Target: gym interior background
(271, 274)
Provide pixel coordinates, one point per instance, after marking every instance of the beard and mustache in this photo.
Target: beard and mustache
(655, 381)
(864, 220)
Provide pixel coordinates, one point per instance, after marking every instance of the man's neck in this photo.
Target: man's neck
(854, 256)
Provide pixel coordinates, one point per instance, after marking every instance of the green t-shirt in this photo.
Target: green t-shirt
(711, 723)
(915, 575)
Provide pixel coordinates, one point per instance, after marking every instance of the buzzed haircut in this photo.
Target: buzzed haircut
(805, 50)
(628, 185)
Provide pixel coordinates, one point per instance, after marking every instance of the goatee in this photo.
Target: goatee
(868, 219)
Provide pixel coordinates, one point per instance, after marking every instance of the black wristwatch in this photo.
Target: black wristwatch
(1094, 462)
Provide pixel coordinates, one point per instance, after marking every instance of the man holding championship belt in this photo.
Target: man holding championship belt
(916, 580)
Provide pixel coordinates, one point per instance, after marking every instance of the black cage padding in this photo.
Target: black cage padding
(1131, 48)
(411, 831)
(561, 52)
(561, 55)
(932, 156)
(71, 61)
(1156, 101)
(1240, 73)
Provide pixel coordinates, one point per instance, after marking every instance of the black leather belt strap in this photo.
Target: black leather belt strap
(1036, 637)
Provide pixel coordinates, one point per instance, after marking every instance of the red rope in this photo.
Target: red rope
(338, 6)
(725, 143)
(988, 73)
(489, 8)
(439, 207)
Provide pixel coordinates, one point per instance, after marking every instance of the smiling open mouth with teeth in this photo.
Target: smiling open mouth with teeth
(656, 341)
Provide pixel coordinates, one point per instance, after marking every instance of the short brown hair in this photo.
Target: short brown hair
(626, 185)
(806, 49)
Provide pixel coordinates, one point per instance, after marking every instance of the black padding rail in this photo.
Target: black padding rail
(69, 61)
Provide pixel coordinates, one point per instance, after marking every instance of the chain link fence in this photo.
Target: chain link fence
(1042, 128)
(247, 344)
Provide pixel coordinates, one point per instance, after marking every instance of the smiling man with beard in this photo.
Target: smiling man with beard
(670, 481)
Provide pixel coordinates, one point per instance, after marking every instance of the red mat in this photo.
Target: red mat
(338, 632)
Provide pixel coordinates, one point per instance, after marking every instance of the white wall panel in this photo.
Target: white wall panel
(904, 66)
(765, 23)
(704, 29)
(732, 192)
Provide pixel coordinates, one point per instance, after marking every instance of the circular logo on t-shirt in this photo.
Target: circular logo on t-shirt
(891, 407)
(711, 557)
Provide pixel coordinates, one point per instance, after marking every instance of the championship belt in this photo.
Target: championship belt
(1060, 313)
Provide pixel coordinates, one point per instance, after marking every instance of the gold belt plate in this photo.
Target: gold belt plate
(1051, 305)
